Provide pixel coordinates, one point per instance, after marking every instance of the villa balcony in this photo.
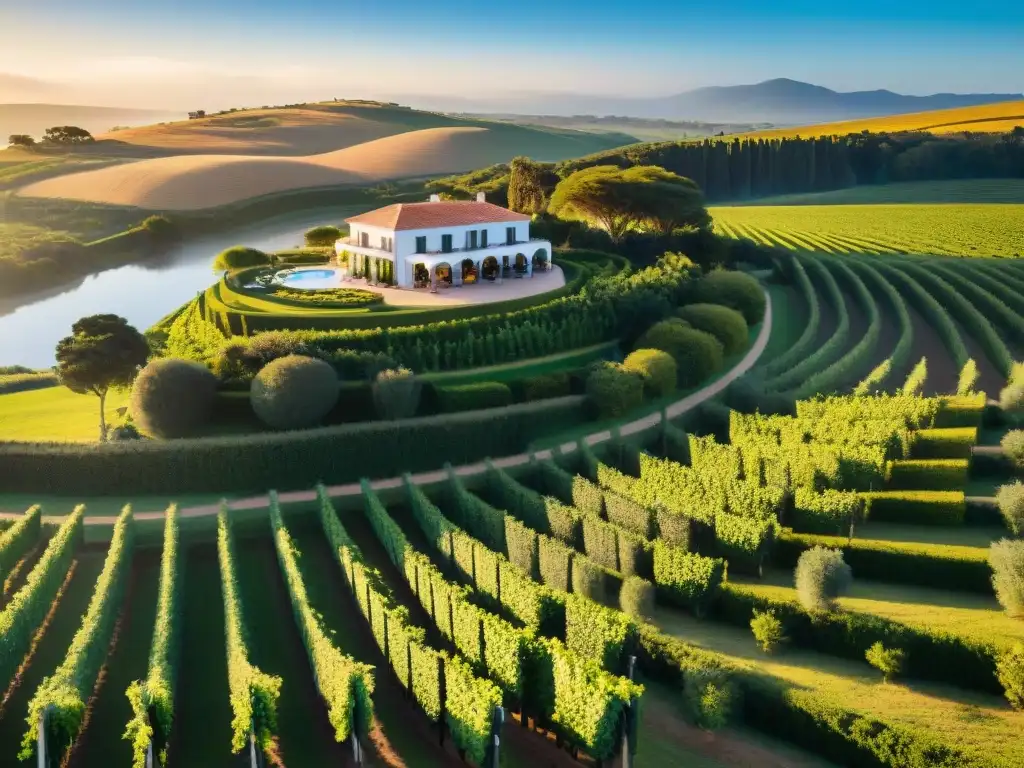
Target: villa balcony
(497, 248)
(347, 244)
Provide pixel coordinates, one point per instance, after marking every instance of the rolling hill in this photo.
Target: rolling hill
(225, 158)
(33, 119)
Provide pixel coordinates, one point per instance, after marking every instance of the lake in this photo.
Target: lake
(142, 294)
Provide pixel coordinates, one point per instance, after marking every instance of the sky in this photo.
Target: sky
(219, 53)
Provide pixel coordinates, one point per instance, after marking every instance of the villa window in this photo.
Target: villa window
(510, 235)
(446, 243)
(364, 239)
(421, 244)
(472, 239)
(483, 238)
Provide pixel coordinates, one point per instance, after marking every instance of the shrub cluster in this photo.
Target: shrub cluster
(725, 324)
(698, 355)
(636, 598)
(656, 368)
(472, 397)
(1006, 557)
(1013, 446)
(239, 256)
(325, 235)
(732, 289)
(614, 390)
(888, 661)
(294, 392)
(172, 397)
(1010, 499)
(821, 576)
(396, 394)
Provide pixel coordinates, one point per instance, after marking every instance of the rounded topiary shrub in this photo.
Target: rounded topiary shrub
(1010, 499)
(1010, 670)
(1006, 558)
(172, 397)
(656, 367)
(698, 355)
(1013, 446)
(322, 236)
(239, 256)
(613, 390)
(396, 394)
(637, 597)
(294, 392)
(724, 323)
(821, 576)
(732, 289)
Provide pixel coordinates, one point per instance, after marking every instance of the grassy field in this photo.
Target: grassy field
(1003, 116)
(951, 230)
(55, 414)
(900, 192)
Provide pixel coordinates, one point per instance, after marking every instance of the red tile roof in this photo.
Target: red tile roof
(446, 213)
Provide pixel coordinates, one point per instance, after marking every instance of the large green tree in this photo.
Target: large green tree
(102, 352)
(530, 184)
(623, 199)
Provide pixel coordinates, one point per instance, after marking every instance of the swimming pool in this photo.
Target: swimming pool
(310, 278)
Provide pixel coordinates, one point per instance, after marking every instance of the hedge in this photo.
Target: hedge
(300, 459)
(16, 541)
(930, 655)
(253, 693)
(629, 515)
(597, 632)
(827, 512)
(932, 474)
(345, 684)
(23, 382)
(156, 693)
(474, 515)
(471, 397)
(688, 580)
(524, 503)
(66, 692)
(25, 612)
(916, 507)
(961, 411)
(898, 562)
(600, 542)
(744, 541)
(949, 443)
(469, 708)
(555, 564)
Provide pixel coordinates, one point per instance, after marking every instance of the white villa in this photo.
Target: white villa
(440, 243)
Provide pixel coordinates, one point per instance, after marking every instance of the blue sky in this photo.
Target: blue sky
(146, 50)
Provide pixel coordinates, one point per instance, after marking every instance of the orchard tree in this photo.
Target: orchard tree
(622, 199)
(102, 352)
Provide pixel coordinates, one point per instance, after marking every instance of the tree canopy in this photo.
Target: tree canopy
(21, 140)
(67, 134)
(622, 199)
(103, 351)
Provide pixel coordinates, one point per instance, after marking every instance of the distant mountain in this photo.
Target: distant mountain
(780, 101)
(33, 119)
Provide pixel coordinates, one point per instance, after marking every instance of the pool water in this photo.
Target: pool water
(312, 278)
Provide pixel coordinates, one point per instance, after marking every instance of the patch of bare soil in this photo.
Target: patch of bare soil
(943, 373)
(990, 380)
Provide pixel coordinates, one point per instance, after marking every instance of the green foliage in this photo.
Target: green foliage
(708, 698)
(968, 379)
(627, 514)
(724, 323)
(323, 236)
(600, 542)
(239, 256)
(294, 392)
(1013, 446)
(530, 184)
(869, 385)
(1010, 669)
(916, 378)
(916, 507)
(24, 614)
(1011, 397)
(888, 661)
(736, 290)
(66, 692)
(686, 579)
(614, 390)
(657, 369)
(744, 541)
(544, 387)
(768, 631)
(698, 355)
(102, 352)
(1006, 557)
(521, 502)
(469, 706)
(555, 564)
(156, 692)
(474, 515)
(826, 512)
(636, 598)
(172, 397)
(948, 443)
(933, 474)
(396, 394)
(193, 336)
(593, 631)
(345, 684)
(253, 692)
(821, 576)
(17, 540)
(588, 578)
(334, 298)
(521, 542)
(471, 397)
(23, 382)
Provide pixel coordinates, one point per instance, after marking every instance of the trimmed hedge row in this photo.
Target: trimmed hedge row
(345, 684)
(443, 686)
(917, 564)
(156, 693)
(298, 459)
(65, 693)
(932, 474)
(16, 541)
(802, 348)
(23, 382)
(947, 443)
(826, 512)
(930, 655)
(253, 693)
(961, 411)
(916, 507)
(24, 614)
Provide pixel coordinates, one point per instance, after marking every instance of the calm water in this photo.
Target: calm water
(141, 294)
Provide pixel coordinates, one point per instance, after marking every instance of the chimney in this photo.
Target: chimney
(435, 198)
(481, 197)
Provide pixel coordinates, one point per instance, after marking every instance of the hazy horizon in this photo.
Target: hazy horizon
(219, 53)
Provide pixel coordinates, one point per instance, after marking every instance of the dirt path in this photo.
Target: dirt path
(990, 380)
(943, 373)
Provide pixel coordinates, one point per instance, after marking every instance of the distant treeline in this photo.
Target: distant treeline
(743, 168)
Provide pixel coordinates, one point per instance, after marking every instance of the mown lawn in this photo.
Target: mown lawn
(55, 414)
(960, 613)
(980, 725)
